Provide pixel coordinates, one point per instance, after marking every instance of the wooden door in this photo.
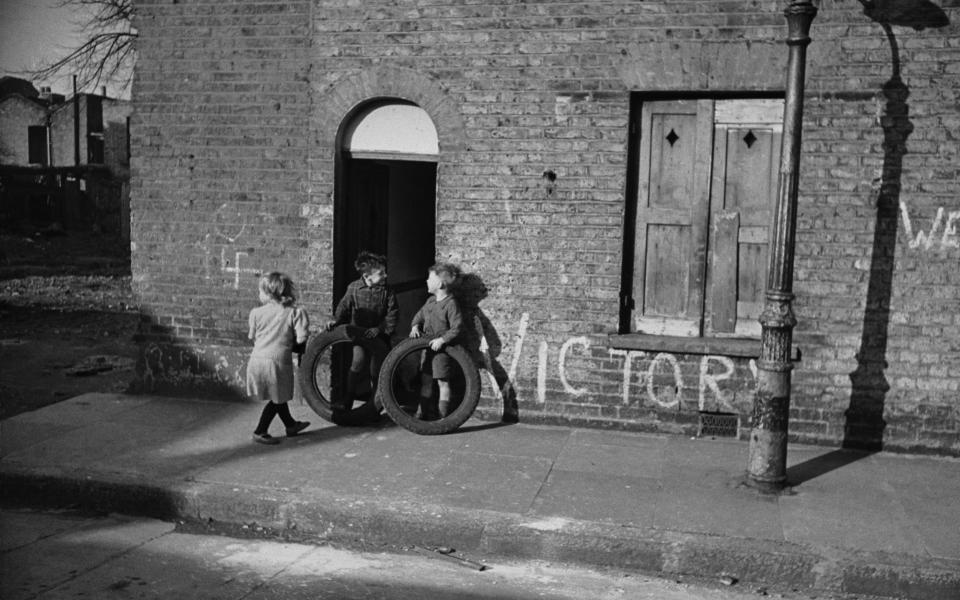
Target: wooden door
(411, 235)
(362, 219)
(672, 209)
(746, 156)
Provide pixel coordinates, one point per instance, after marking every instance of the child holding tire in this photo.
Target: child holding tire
(275, 327)
(370, 305)
(440, 320)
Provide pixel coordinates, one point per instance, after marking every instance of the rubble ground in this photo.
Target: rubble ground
(67, 317)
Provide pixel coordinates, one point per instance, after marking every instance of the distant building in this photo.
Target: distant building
(46, 133)
(23, 131)
(37, 129)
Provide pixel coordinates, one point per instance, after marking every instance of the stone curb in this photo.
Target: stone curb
(362, 523)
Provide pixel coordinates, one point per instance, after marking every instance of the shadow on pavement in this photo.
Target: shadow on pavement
(823, 464)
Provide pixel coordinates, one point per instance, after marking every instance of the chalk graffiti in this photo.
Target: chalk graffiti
(562, 366)
(628, 356)
(927, 240)
(714, 370)
(236, 269)
(712, 381)
(677, 378)
(229, 230)
(221, 223)
(542, 356)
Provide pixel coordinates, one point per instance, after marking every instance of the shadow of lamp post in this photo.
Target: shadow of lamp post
(767, 463)
(865, 424)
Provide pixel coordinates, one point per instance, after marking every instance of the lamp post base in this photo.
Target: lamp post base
(767, 466)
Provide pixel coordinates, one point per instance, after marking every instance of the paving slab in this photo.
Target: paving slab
(630, 501)
(32, 569)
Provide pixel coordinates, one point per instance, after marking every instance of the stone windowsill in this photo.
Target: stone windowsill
(719, 346)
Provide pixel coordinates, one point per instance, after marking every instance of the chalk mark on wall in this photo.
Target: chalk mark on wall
(235, 268)
(712, 381)
(926, 240)
(542, 356)
(711, 393)
(218, 221)
(628, 356)
(562, 366)
(677, 378)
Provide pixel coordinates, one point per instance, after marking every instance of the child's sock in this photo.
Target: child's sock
(284, 412)
(266, 417)
(443, 404)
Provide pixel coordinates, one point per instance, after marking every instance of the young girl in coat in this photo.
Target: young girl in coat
(275, 327)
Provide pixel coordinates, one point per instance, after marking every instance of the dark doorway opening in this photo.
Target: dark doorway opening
(387, 207)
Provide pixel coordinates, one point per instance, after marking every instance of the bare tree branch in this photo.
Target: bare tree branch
(108, 52)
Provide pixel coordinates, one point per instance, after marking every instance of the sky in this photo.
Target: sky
(34, 31)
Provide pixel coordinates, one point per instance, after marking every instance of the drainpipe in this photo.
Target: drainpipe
(49, 129)
(76, 124)
(767, 465)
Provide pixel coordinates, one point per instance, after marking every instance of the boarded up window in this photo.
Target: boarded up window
(706, 188)
(94, 114)
(37, 144)
(95, 149)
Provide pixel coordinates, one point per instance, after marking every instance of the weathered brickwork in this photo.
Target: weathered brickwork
(238, 105)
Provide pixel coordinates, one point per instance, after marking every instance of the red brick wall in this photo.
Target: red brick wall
(238, 105)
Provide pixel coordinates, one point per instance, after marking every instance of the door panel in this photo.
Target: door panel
(672, 209)
(361, 219)
(745, 167)
(668, 247)
(410, 235)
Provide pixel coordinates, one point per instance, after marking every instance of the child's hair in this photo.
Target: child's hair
(279, 286)
(448, 273)
(368, 261)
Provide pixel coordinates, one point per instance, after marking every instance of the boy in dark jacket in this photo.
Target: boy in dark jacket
(368, 304)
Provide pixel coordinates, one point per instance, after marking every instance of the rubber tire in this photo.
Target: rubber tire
(387, 395)
(316, 346)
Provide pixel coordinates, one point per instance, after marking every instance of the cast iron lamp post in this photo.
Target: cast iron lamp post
(767, 466)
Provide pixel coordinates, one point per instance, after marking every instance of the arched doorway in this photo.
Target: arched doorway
(386, 198)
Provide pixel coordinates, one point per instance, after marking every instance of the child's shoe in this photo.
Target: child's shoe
(265, 438)
(297, 428)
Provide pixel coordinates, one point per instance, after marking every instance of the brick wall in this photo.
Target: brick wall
(234, 137)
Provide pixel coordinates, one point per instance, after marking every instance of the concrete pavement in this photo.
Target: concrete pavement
(880, 524)
(54, 554)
